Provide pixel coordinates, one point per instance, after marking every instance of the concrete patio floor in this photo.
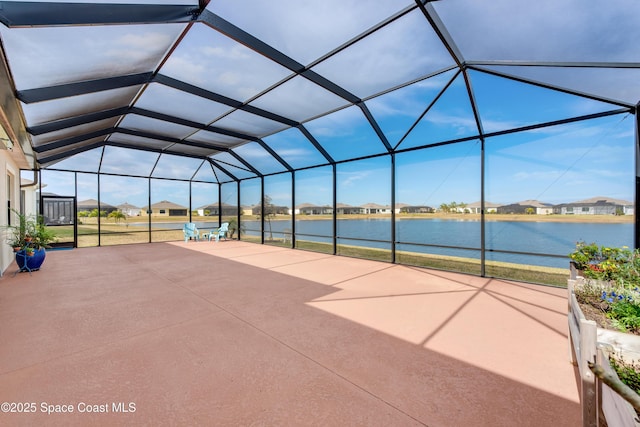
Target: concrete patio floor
(237, 334)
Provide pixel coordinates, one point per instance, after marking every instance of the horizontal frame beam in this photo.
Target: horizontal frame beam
(40, 14)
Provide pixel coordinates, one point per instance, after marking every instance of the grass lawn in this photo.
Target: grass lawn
(519, 272)
(112, 233)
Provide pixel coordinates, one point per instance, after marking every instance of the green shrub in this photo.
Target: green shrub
(628, 372)
(625, 315)
(621, 265)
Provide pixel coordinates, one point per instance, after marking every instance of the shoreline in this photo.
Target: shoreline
(603, 219)
(610, 219)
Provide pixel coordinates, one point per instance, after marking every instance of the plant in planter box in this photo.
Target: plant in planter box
(604, 311)
(606, 263)
(612, 283)
(625, 313)
(627, 371)
(621, 378)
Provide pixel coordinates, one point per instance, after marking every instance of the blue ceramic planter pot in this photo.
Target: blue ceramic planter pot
(30, 263)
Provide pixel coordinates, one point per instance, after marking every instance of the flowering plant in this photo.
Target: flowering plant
(613, 283)
(620, 265)
(610, 296)
(623, 308)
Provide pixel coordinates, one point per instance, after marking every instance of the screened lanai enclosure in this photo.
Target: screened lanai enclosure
(483, 137)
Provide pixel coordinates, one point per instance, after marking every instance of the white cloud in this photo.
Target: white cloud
(252, 151)
(237, 52)
(349, 179)
(188, 69)
(147, 41)
(464, 124)
(294, 153)
(490, 125)
(299, 29)
(398, 53)
(543, 30)
(229, 78)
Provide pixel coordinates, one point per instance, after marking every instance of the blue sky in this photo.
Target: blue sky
(556, 164)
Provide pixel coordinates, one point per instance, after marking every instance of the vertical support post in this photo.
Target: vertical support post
(99, 213)
(220, 206)
(482, 210)
(572, 321)
(190, 208)
(393, 208)
(149, 210)
(239, 210)
(588, 333)
(582, 349)
(636, 231)
(75, 203)
(75, 222)
(335, 210)
(262, 209)
(39, 176)
(293, 209)
(99, 198)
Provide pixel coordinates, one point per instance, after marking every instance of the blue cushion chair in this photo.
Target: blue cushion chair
(190, 231)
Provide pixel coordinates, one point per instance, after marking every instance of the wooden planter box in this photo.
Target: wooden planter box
(600, 405)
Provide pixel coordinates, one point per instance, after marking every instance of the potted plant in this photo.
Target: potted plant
(15, 242)
(42, 236)
(29, 239)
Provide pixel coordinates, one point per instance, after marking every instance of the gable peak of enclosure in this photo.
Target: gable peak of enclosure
(220, 91)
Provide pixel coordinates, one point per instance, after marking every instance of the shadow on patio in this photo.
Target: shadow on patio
(234, 333)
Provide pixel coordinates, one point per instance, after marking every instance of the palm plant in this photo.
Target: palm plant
(31, 231)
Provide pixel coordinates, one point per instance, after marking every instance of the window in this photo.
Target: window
(9, 193)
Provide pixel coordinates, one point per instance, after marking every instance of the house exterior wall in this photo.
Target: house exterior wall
(214, 210)
(165, 211)
(131, 211)
(417, 209)
(168, 212)
(177, 212)
(589, 210)
(350, 211)
(476, 209)
(12, 192)
(544, 211)
(372, 211)
(314, 210)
